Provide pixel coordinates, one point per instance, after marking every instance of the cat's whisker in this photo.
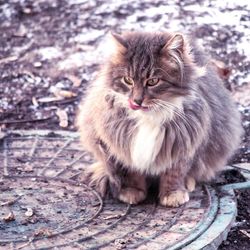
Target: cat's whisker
(155, 108)
(164, 71)
(169, 110)
(174, 109)
(170, 107)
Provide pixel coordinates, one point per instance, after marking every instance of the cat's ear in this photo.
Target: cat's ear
(176, 43)
(178, 48)
(119, 40)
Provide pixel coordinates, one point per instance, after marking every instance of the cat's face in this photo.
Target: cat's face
(150, 70)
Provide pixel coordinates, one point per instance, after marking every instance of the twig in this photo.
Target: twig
(24, 121)
(63, 101)
(11, 202)
(245, 233)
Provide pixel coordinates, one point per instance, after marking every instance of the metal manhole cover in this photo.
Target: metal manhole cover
(45, 204)
(45, 207)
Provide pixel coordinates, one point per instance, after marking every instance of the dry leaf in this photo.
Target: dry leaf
(37, 64)
(10, 202)
(115, 216)
(22, 31)
(75, 80)
(9, 217)
(245, 233)
(34, 101)
(29, 212)
(63, 118)
(8, 59)
(27, 10)
(49, 99)
(60, 93)
(43, 232)
(223, 70)
(28, 168)
(64, 93)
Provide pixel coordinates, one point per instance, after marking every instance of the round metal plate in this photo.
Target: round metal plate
(45, 204)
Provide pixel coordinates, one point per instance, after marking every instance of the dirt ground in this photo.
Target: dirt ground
(50, 50)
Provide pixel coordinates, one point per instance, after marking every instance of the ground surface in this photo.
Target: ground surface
(50, 50)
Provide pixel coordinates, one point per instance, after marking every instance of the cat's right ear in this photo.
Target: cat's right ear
(119, 40)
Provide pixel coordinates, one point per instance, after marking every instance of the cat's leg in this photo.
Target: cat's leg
(102, 174)
(134, 188)
(106, 175)
(96, 176)
(172, 188)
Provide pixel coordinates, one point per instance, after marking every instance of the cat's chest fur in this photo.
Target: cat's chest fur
(147, 143)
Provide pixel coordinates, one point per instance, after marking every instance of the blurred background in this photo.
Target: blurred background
(51, 49)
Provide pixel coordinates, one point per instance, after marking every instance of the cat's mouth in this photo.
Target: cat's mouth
(135, 106)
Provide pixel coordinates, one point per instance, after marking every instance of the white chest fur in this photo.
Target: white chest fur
(146, 144)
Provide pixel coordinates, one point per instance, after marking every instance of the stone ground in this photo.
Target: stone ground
(50, 50)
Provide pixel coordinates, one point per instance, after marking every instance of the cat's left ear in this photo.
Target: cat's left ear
(176, 43)
(179, 48)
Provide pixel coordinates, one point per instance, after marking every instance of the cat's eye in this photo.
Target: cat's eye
(128, 80)
(152, 81)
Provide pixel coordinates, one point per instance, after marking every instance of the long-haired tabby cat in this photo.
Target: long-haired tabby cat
(157, 109)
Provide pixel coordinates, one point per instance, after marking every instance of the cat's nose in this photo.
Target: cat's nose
(138, 101)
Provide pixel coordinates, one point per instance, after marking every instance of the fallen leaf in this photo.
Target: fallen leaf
(223, 70)
(34, 101)
(22, 31)
(27, 10)
(37, 64)
(245, 233)
(64, 93)
(29, 212)
(116, 216)
(49, 99)
(43, 232)
(28, 168)
(63, 118)
(75, 80)
(10, 202)
(9, 217)
(8, 59)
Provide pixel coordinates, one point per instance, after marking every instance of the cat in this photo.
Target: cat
(157, 109)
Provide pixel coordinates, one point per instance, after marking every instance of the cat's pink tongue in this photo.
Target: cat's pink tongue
(135, 106)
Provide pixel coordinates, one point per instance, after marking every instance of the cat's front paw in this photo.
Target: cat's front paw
(190, 184)
(174, 198)
(131, 195)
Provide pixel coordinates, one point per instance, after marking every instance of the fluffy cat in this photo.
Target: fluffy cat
(157, 109)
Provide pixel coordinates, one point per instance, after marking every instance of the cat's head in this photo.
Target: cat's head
(152, 70)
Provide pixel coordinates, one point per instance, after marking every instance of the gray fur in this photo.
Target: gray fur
(200, 135)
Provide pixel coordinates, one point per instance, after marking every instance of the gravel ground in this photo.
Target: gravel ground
(50, 50)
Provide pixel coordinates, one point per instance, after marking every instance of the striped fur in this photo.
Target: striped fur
(188, 132)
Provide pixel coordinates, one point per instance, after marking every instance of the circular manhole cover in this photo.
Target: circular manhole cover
(45, 204)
